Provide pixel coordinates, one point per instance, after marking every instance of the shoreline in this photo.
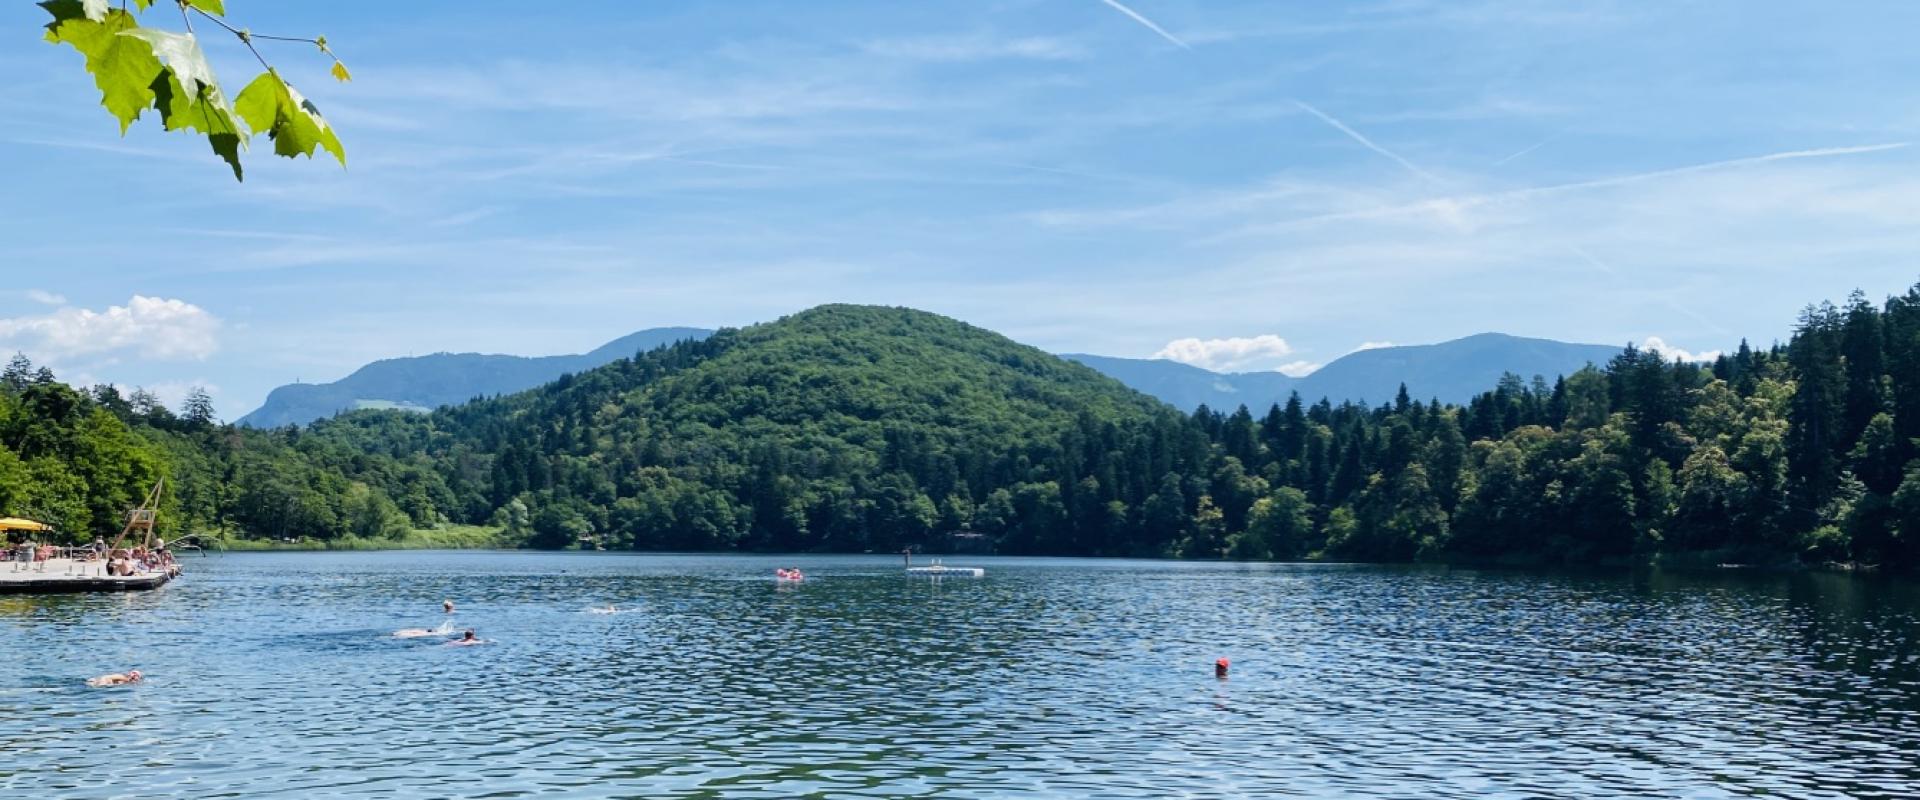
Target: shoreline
(462, 537)
(472, 540)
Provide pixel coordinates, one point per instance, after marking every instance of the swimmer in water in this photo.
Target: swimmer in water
(116, 679)
(447, 605)
(466, 639)
(415, 633)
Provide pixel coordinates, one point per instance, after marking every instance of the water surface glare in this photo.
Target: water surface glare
(277, 675)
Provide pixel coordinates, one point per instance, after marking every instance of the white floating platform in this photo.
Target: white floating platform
(67, 575)
(942, 569)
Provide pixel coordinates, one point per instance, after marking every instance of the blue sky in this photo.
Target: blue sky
(1251, 186)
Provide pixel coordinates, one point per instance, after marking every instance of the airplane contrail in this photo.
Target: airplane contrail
(1790, 155)
(1535, 146)
(1471, 200)
(1364, 141)
(1147, 22)
(1666, 297)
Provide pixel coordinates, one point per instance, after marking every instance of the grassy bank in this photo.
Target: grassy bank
(451, 537)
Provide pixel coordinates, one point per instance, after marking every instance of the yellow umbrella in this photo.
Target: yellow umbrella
(18, 524)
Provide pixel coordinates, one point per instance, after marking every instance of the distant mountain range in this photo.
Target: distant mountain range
(1452, 371)
(423, 383)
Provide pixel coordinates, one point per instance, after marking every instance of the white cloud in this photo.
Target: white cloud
(1298, 369)
(148, 327)
(976, 48)
(1659, 345)
(1228, 355)
(45, 297)
(1371, 346)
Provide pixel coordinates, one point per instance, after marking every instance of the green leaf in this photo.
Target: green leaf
(188, 96)
(206, 112)
(96, 10)
(182, 54)
(340, 72)
(123, 67)
(214, 7)
(293, 123)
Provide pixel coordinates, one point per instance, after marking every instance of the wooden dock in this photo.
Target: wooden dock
(70, 575)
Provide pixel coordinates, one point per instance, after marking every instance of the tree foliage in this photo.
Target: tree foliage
(855, 429)
(138, 68)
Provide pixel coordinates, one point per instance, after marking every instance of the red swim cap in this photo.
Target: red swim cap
(1220, 663)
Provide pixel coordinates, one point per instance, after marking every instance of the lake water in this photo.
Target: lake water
(275, 675)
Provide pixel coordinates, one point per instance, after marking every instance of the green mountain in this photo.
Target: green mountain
(1452, 372)
(841, 427)
(423, 383)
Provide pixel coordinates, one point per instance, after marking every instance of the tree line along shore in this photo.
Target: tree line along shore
(855, 428)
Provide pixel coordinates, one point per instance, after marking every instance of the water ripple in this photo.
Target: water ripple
(276, 676)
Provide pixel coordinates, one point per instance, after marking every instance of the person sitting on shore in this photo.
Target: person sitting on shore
(116, 679)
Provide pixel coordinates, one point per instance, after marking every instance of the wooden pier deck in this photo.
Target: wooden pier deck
(69, 575)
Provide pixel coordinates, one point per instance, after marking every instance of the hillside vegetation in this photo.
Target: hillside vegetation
(852, 428)
(80, 460)
(842, 427)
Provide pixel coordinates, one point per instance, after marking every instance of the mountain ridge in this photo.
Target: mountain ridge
(1452, 371)
(423, 383)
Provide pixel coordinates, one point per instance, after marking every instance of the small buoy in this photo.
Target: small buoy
(1220, 667)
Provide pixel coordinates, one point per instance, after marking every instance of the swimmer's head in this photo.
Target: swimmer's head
(468, 636)
(133, 674)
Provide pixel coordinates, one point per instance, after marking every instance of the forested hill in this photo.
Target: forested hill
(842, 427)
(423, 383)
(851, 428)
